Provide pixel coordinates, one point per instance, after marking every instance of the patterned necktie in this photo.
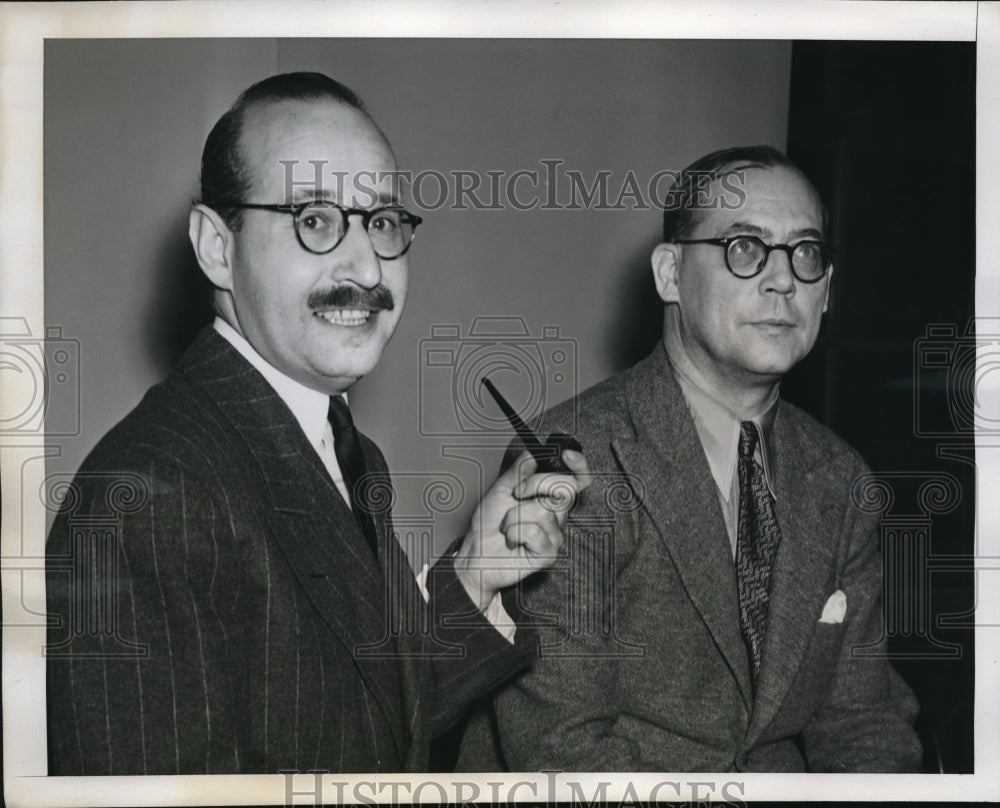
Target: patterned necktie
(347, 447)
(756, 542)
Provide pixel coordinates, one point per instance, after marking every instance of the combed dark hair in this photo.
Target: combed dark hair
(679, 212)
(224, 177)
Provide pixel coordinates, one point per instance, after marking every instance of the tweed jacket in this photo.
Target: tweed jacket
(214, 607)
(642, 664)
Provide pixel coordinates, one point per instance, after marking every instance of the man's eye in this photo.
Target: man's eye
(384, 223)
(742, 246)
(316, 220)
(807, 249)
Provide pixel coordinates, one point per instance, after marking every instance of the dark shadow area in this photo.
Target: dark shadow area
(639, 322)
(886, 130)
(182, 303)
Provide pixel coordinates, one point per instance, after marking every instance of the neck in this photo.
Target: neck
(744, 394)
(746, 401)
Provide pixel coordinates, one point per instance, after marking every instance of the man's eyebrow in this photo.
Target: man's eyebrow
(745, 228)
(807, 232)
(384, 199)
(300, 195)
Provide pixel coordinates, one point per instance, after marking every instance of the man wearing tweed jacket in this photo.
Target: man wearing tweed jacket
(226, 592)
(667, 643)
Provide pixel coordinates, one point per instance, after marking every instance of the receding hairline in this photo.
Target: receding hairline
(257, 106)
(746, 165)
(736, 166)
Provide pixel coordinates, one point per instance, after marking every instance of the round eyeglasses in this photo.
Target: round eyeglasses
(746, 256)
(321, 226)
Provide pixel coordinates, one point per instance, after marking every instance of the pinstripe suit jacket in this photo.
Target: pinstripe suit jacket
(642, 664)
(216, 609)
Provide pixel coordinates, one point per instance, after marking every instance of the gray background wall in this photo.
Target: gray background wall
(125, 121)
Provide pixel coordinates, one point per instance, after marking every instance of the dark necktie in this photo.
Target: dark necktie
(347, 446)
(757, 540)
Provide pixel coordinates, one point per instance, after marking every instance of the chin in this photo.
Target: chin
(770, 357)
(356, 356)
(774, 366)
(351, 373)
(777, 370)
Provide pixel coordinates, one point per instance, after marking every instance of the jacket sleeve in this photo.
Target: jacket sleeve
(866, 722)
(469, 657)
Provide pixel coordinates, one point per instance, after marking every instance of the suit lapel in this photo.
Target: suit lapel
(308, 518)
(801, 568)
(682, 501)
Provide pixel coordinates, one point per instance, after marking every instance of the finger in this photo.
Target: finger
(556, 491)
(527, 511)
(536, 511)
(577, 463)
(539, 538)
(519, 471)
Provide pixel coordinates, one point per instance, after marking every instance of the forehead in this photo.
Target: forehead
(305, 146)
(776, 200)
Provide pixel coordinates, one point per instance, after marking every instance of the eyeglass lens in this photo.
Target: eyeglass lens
(321, 228)
(747, 255)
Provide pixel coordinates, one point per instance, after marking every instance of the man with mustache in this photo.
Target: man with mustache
(253, 611)
(720, 608)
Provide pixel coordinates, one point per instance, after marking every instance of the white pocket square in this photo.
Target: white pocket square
(835, 608)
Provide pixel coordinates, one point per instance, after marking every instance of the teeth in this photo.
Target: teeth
(345, 316)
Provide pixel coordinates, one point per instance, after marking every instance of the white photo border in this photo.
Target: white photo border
(22, 34)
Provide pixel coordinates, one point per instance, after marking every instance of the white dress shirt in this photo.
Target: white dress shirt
(310, 407)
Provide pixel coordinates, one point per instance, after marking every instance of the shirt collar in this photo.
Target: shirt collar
(310, 407)
(718, 427)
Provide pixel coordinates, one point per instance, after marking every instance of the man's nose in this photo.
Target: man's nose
(355, 259)
(778, 276)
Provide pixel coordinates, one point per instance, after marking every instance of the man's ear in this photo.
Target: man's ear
(826, 297)
(212, 241)
(666, 261)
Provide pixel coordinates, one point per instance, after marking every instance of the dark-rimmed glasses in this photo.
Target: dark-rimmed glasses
(746, 256)
(320, 226)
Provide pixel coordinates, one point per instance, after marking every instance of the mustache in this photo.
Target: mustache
(378, 298)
